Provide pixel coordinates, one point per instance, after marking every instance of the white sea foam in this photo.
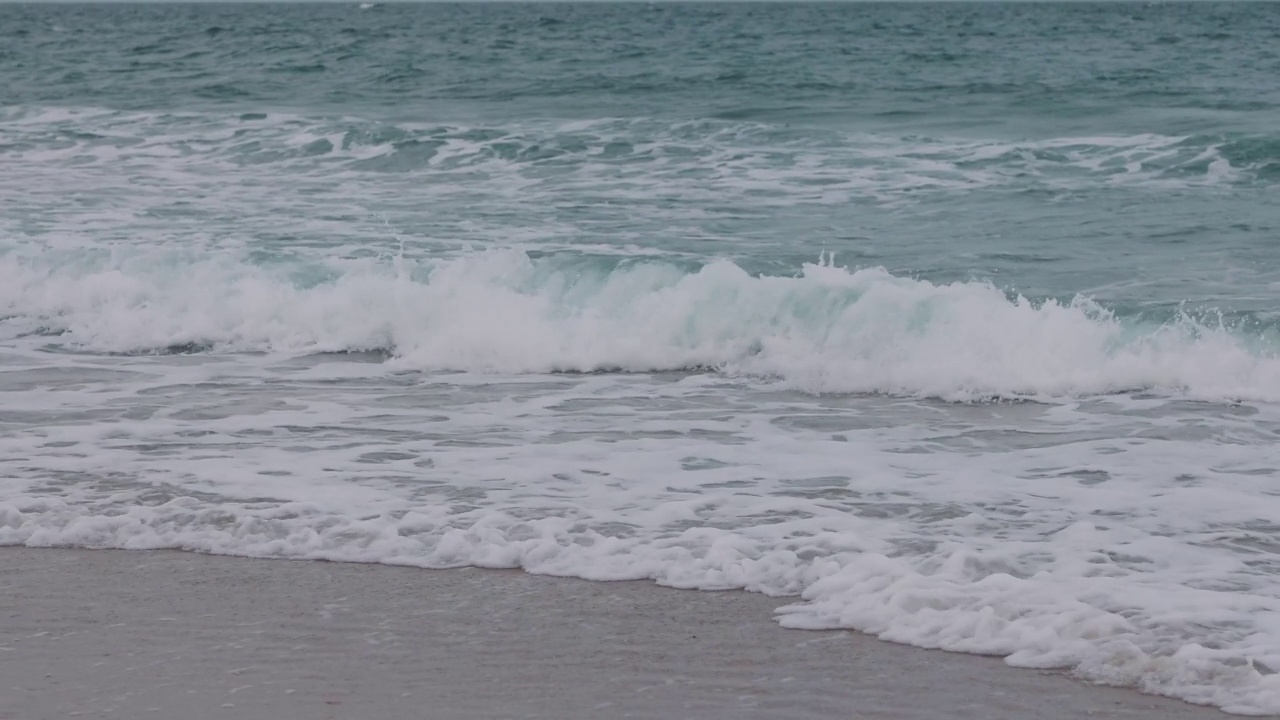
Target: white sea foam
(1123, 539)
(827, 330)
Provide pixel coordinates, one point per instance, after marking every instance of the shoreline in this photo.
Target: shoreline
(166, 633)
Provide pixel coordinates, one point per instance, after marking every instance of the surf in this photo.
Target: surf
(825, 329)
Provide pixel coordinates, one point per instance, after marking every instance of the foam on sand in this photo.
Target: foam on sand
(209, 637)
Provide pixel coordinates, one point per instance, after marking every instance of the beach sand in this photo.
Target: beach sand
(134, 634)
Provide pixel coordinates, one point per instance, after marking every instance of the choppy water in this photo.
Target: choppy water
(958, 321)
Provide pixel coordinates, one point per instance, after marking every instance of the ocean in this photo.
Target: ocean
(957, 323)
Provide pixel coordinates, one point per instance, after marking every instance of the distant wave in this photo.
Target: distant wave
(828, 329)
(740, 155)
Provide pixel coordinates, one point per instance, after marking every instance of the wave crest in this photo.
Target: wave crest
(827, 329)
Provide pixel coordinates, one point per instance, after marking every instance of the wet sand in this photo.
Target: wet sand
(134, 634)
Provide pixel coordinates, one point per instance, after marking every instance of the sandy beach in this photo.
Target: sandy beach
(135, 634)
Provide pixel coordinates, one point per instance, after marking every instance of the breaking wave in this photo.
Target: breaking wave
(826, 329)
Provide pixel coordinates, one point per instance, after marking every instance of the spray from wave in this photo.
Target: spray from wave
(827, 329)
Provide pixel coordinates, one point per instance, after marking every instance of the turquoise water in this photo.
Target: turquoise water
(958, 321)
(1125, 151)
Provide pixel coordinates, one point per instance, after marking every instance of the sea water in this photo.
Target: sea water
(956, 322)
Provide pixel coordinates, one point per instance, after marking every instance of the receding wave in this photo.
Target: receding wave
(825, 329)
